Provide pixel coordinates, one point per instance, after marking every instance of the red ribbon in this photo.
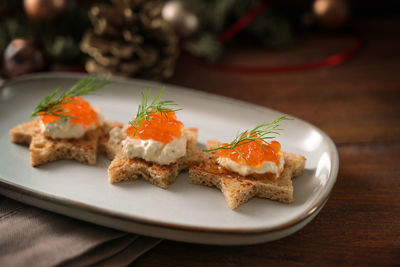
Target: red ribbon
(330, 61)
(242, 22)
(245, 20)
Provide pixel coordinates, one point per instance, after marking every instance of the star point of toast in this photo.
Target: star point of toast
(238, 189)
(44, 150)
(123, 168)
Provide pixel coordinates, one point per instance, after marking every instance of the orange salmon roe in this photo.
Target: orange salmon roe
(162, 130)
(81, 111)
(254, 154)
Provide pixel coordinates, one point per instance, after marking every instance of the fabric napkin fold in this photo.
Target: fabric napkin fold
(34, 237)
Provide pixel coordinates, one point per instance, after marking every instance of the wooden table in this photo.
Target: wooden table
(358, 105)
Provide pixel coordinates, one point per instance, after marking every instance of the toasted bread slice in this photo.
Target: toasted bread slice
(123, 168)
(239, 189)
(105, 147)
(44, 150)
(22, 133)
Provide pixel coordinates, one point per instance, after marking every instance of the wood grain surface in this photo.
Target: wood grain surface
(358, 105)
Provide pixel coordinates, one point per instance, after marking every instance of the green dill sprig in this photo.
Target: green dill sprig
(52, 104)
(261, 132)
(146, 109)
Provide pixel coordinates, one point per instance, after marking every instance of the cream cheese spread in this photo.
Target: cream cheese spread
(154, 151)
(267, 166)
(63, 128)
(117, 135)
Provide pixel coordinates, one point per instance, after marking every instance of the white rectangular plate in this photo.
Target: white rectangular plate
(184, 212)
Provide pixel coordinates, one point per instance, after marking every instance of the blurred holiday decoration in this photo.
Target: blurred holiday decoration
(143, 38)
(55, 25)
(184, 21)
(130, 38)
(22, 57)
(45, 10)
(331, 14)
(270, 25)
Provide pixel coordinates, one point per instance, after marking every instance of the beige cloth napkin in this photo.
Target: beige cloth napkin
(34, 237)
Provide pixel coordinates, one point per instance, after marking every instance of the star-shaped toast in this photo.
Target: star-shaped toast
(239, 189)
(123, 168)
(45, 149)
(73, 109)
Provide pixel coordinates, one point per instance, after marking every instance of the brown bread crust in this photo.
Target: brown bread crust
(44, 149)
(123, 168)
(239, 189)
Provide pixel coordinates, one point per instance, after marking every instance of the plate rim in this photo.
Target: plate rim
(319, 201)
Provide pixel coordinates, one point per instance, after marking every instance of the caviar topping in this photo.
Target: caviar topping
(155, 120)
(54, 105)
(162, 128)
(251, 147)
(254, 154)
(76, 109)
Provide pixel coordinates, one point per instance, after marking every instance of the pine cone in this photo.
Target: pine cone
(130, 38)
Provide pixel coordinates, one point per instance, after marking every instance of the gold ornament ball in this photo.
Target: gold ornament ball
(45, 10)
(181, 18)
(331, 14)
